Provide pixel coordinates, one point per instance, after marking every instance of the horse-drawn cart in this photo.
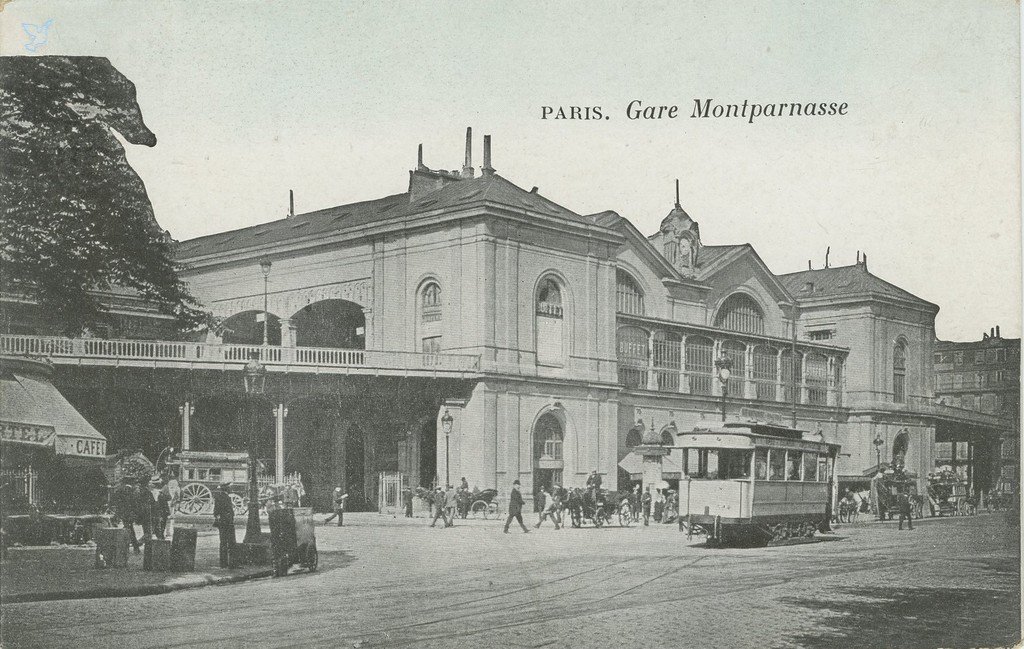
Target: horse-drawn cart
(948, 496)
(484, 504)
(200, 472)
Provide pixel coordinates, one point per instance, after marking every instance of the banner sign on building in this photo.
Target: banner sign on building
(33, 434)
(81, 446)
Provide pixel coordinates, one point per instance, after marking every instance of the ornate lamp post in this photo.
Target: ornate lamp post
(446, 426)
(724, 367)
(265, 265)
(878, 442)
(255, 375)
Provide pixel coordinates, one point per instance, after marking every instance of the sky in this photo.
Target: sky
(330, 99)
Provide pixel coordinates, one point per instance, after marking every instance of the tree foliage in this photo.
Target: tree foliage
(76, 219)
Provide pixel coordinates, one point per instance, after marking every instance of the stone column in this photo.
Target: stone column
(749, 389)
(780, 391)
(684, 383)
(280, 412)
(652, 376)
(287, 333)
(186, 411)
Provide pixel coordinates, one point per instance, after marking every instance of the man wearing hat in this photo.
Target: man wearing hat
(224, 520)
(515, 508)
(339, 507)
(439, 507)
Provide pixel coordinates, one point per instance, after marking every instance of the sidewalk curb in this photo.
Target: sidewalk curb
(138, 591)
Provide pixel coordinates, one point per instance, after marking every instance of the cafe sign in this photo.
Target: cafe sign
(81, 446)
(32, 434)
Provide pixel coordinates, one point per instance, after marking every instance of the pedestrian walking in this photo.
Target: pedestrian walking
(903, 500)
(407, 501)
(515, 508)
(144, 506)
(339, 507)
(162, 508)
(547, 508)
(645, 503)
(659, 505)
(438, 503)
(451, 502)
(634, 503)
(224, 521)
(124, 507)
(171, 492)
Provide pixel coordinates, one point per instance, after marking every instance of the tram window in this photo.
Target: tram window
(761, 464)
(793, 465)
(777, 465)
(702, 463)
(810, 467)
(822, 468)
(735, 464)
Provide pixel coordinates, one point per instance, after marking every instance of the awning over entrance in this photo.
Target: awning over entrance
(34, 413)
(633, 463)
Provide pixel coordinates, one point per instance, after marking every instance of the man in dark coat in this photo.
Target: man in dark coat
(515, 508)
(124, 506)
(224, 520)
(905, 510)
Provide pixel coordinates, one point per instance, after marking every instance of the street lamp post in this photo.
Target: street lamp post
(255, 375)
(878, 442)
(724, 366)
(265, 265)
(446, 426)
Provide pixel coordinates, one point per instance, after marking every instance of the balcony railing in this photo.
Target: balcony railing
(84, 349)
(879, 400)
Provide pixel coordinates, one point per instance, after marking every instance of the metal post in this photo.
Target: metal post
(252, 525)
(280, 412)
(266, 318)
(447, 462)
(725, 393)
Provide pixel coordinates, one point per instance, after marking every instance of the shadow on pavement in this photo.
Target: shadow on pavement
(913, 617)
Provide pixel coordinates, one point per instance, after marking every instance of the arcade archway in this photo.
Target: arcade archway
(246, 328)
(330, 323)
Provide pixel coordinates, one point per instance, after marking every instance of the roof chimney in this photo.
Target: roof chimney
(487, 169)
(997, 332)
(678, 206)
(291, 204)
(827, 250)
(419, 157)
(992, 332)
(467, 166)
(864, 260)
(809, 265)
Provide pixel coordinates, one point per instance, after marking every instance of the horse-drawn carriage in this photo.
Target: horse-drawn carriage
(200, 472)
(948, 495)
(886, 492)
(599, 506)
(483, 504)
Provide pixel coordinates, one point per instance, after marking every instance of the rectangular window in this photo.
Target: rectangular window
(991, 356)
(822, 334)
(735, 464)
(822, 468)
(958, 381)
(793, 459)
(810, 467)
(958, 358)
(549, 341)
(761, 464)
(701, 463)
(777, 464)
(1000, 355)
(899, 388)
(553, 449)
(431, 347)
(979, 357)
(967, 403)
(988, 403)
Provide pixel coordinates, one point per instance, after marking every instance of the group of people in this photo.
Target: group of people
(149, 503)
(445, 503)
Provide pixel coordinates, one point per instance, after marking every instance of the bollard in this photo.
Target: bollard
(111, 547)
(183, 550)
(157, 555)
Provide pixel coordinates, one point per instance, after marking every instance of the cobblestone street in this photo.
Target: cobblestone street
(387, 582)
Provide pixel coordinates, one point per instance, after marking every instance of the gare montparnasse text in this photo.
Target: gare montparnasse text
(637, 110)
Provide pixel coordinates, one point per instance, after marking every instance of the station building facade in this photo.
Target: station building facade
(586, 331)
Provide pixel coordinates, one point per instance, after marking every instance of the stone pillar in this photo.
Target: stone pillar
(780, 391)
(280, 412)
(684, 383)
(749, 389)
(652, 376)
(652, 474)
(186, 411)
(287, 333)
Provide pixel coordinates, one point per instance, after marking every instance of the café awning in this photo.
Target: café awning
(34, 413)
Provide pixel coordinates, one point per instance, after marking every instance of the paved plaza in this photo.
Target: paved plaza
(396, 583)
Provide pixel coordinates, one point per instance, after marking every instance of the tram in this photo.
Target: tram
(749, 484)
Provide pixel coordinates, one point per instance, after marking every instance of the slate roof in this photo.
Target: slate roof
(840, 281)
(493, 189)
(708, 254)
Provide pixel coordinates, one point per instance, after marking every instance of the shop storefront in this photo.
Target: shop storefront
(51, 456)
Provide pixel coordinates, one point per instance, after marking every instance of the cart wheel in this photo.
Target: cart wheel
(625, 516)
(599, 517)
(195, 499)
(312, 558)
(492, 511)
(240, 506)
(479, 509)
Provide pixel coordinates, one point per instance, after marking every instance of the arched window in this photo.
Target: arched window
(740, 313)
(631, 345)
(667, 360)
(671, 249)
(667, 438)
(430, 303)
(766, 372)
(550, 323)
(629, 297)
(817, 379)
(737, 353)
(899, 372)
(900, 446)
(700, 364)
(633, 438)
(548, 438)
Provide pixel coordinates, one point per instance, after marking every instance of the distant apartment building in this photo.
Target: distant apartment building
(982, 376)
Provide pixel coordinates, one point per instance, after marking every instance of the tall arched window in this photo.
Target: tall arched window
(792, 375)
(737, 353)
(632, 356)
(550, 323)
(671, 250)
(740, 313)
(700, 364)
(430, 319)
(430, 303)
(766, 372)
(667, 359)
(629, 297)
(899, 372)
(817, 378)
